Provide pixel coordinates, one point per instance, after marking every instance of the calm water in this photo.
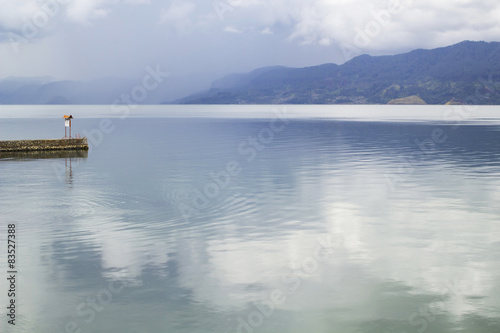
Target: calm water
(254, 225)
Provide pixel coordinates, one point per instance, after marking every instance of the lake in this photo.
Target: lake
(271, 219)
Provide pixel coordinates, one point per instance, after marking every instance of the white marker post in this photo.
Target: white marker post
(67, 123)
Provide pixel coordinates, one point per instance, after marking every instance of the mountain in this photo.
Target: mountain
(468, 72)
(240, 80)
(46, 90)
(410, 100)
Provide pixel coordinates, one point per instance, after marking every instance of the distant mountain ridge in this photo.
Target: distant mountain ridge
(464, 73)
(467, 72)
(103, 91)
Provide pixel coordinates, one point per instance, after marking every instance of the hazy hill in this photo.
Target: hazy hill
(450, 74)
(15, 90)
(437, 76)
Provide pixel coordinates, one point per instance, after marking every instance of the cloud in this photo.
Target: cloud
(386, 22)
(83, 11)
(232, 30)
(266, 31)
(15, 14)
(178, 14)
(138, 2)
(289, 32)
(320, 22)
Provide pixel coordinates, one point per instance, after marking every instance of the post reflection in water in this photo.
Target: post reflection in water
(69, 157)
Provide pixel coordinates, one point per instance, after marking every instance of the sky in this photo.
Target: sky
(86, 39)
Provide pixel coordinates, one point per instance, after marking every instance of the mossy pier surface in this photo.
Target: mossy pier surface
(44, 145)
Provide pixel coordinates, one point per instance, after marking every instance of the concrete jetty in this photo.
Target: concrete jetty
(44, 145)
(43, 154)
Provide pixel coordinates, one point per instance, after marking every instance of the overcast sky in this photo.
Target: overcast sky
(81, 39)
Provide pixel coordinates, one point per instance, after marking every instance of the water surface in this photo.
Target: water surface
(258, 224)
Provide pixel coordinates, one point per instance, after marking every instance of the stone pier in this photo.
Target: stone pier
(44, 145)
